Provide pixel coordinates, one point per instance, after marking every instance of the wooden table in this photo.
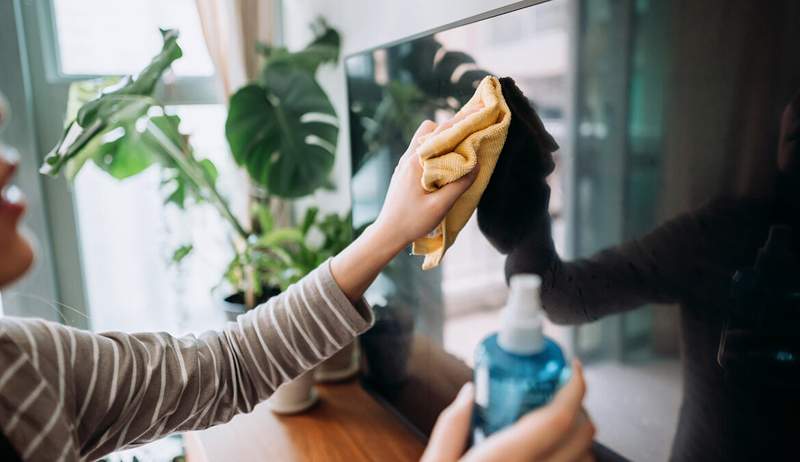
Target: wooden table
(348, 424)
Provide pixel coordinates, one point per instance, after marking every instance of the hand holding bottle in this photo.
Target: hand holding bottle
(559, 431)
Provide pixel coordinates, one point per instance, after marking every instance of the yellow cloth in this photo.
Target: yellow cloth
(452, 153)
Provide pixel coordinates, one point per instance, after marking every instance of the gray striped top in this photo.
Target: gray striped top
(69, 395)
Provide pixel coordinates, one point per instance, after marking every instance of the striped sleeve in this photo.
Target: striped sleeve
(113, 390)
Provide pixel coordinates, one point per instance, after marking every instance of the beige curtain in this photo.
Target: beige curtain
(231, 29)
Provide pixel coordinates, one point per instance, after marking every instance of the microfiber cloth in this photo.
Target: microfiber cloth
(452, 153)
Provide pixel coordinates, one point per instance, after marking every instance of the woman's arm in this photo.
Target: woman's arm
(88, 394)
(111, 390)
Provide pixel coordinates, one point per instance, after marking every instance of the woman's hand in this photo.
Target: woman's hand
(560, 431)
(408, 213)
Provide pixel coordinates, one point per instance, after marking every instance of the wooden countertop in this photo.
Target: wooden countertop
(348, 424)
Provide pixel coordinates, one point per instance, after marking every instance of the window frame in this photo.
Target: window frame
(181, 90)
(49, 88)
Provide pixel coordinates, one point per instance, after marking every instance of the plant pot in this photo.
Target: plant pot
(387, 347)
(343, 365)
(295, 396)
(233, 305)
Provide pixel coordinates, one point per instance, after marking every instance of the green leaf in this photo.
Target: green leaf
(181, 253)
(264, 216)
(209, 170)
(284, 132)
(82, 92)
(337, 233)
(323, 49)
(168, 124)
(280, 236)
(112, 114)
(125, 157)
(308, 220)
(177, 182)
(178, 195)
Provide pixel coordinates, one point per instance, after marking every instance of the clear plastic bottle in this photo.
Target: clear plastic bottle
(517, 369)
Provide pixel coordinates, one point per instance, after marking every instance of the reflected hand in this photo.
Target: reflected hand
(560, 431)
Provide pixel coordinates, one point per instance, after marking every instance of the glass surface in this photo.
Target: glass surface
(456, 303)
(678, 125)
(119, 37)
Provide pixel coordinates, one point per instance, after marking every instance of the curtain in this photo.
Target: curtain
(231, 29)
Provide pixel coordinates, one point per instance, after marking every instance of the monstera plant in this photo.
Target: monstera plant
(282, 129)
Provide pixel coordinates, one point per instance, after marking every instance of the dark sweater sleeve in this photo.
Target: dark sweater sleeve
(692, 256)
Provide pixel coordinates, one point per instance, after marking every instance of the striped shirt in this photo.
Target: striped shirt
(72, 395)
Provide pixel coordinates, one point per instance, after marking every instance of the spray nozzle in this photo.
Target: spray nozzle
(521, 331)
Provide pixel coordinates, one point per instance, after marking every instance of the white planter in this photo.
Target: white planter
(295, 396)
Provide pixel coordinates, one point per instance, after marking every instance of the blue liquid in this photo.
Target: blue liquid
(508, 386)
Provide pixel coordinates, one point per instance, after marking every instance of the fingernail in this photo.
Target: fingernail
(13, 195)
(465, 393)
(8, 154)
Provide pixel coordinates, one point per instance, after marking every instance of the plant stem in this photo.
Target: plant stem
(188, 165)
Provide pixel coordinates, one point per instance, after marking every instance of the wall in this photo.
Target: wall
(365, 24)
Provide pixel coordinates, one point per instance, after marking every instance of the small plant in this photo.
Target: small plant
(282, 129)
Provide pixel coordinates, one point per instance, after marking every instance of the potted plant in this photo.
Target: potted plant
(282, 129)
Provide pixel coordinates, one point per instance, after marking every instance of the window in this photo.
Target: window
(113, 37)
(127, 237)
(125, 233)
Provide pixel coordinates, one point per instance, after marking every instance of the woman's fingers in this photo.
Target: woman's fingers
(568, 430)
(447, 195)
(540, 433)
(568, 401)
(461, 115)
(425, 128)
(429, 127)
(450, 434)
(577, 442)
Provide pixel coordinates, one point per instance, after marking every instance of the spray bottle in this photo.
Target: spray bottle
(517, 369)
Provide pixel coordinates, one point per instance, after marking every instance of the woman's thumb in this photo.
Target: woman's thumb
(451, 432)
